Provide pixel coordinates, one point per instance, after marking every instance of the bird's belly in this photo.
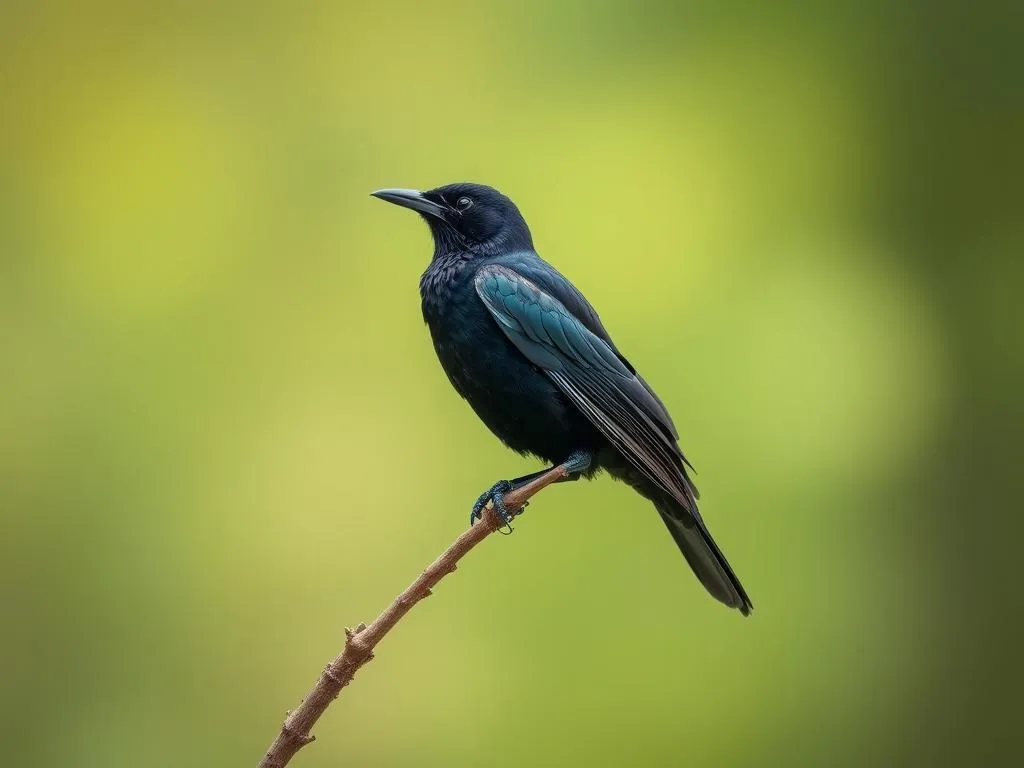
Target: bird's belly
(516, 400)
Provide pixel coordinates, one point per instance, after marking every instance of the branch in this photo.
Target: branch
(360, 642)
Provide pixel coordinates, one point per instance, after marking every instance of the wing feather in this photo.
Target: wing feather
(592, 375)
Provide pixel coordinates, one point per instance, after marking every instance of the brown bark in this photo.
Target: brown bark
(361, 641)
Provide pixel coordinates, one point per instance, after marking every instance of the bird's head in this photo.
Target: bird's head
(466, 217)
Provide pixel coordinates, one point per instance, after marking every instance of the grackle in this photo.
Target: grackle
(530, 354)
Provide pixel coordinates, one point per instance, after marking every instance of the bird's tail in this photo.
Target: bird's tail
(703, 555)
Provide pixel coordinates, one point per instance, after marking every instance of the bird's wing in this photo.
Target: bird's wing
(551, 281)
(554, 283)
(591, 374)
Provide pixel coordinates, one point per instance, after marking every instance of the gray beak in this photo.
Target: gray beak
(411, 198)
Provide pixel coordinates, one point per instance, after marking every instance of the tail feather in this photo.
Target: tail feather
(703, 555)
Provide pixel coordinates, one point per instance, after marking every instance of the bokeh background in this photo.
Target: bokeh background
(224, 435)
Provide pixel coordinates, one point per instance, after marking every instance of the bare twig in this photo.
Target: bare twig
(360, 642)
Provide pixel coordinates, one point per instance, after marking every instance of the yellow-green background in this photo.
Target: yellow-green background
(224, 435)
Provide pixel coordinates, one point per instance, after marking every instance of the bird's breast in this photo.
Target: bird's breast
(464, 335)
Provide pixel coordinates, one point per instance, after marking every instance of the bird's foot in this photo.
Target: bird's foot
(496, 494)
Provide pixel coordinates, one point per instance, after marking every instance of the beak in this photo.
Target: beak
(411, 198)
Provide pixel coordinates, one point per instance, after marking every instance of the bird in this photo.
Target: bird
(532, 358)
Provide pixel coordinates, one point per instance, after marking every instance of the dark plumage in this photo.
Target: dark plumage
(530, 355)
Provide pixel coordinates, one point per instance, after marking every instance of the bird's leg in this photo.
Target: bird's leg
(578, 462)
(519, 482)
(570, 469)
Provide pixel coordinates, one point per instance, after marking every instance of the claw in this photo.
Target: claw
(495, 493)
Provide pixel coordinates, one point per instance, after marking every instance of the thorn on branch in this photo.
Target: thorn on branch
(350, 633)
(361, 651)
(302, 738)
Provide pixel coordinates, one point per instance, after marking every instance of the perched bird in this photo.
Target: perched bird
(530, 355)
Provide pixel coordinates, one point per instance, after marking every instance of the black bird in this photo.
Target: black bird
(530, 354)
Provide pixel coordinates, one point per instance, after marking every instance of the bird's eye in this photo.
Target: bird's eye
(463, 203)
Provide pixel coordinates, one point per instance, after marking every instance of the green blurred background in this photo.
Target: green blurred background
(221, 413)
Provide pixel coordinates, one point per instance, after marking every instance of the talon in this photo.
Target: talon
(496, 493)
